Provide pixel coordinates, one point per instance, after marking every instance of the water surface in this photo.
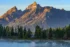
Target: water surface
(34, 44)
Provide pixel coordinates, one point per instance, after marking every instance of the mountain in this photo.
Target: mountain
(10, 15)
(34, 15)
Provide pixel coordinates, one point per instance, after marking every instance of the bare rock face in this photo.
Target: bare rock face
(12, 10)
(9, 12)
(32, 6)
(10, 15)
(34, 15)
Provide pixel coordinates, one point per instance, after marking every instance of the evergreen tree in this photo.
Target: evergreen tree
(8, 32)
(44, 34)
(25, 33)
(38, 32)
(29, 33)
(20, 32)
(50, 33)
(1, 30)
(4, 32)
(68, 31)
(16, 32)
(12, 31)
(59, 33)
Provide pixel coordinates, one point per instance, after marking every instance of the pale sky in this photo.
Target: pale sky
(22, 4)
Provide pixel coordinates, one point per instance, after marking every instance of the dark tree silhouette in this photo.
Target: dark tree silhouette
(50, 33)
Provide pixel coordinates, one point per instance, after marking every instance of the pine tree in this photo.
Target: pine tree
(38, 32)
(25, 33)
(29, 33)
(12, 31)
(68, 31)
(59, 33)
(44, 34)
(50, 33)
(1, 30)
(4, 32)
(20, 32)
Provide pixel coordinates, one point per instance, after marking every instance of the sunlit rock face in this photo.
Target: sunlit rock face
(34, 15)
(10, 15)
(32, 6)
(9, 12)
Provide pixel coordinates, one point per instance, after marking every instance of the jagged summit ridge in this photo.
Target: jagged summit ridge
(14, 9)
(35, 14)
(33, 6)
(9, 12)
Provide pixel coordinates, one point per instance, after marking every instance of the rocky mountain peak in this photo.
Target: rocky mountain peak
(9, 12)
(33, 6)
(14, 8)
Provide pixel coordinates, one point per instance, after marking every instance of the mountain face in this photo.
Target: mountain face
(34, 15)
(10, 15)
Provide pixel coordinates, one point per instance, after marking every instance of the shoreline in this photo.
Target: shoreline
(28, 40)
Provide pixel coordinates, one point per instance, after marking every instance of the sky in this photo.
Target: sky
(22, 4)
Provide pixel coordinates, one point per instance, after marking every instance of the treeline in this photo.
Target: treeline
(40, 33)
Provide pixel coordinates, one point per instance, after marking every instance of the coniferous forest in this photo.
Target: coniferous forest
(40, 33)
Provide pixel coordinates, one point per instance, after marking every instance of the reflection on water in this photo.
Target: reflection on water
(35, 44)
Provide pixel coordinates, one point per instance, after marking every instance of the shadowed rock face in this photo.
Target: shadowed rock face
(34, 15)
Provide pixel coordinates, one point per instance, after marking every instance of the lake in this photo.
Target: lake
(7, 43)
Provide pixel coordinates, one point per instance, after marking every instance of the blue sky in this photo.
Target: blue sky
(22, 4)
